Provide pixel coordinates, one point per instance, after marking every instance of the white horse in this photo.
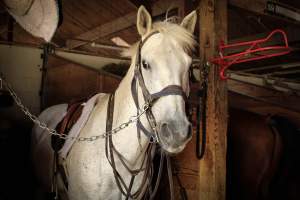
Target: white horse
(165, 60)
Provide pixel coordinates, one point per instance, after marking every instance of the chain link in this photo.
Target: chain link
(122, 126)
(51, 131)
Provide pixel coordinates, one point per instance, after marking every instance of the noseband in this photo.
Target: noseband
(149, 98)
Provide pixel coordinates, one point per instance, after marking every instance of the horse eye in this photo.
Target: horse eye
(145, 64)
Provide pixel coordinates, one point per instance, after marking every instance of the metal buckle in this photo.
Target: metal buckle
(154, 139)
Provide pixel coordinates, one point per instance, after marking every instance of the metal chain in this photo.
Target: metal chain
(131, 120)
(51, 131)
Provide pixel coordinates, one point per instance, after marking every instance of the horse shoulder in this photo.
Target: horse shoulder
(85, 160)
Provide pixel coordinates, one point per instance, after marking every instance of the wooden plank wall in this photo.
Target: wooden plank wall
(66, 81)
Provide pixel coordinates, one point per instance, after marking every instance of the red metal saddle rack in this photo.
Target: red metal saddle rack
(255, 50)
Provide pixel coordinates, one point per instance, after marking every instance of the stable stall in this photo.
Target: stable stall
(244, 88)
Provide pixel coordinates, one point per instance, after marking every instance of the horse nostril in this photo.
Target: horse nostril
(165, 132)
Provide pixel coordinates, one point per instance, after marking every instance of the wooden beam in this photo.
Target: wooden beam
(257, 6)
(261, 76)
(279, 66)
(291, 32)
(273, 83)
(212, 168)
(269, 96)
(103, 30)
(158, 8)
(294, 71)
(260, 7)
(161, 6)
(138, 3)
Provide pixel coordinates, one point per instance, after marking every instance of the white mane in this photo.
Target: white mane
(174, 31)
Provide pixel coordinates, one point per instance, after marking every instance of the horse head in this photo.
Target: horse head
(163, 58)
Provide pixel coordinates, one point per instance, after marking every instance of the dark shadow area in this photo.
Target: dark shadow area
(286, 182)
(263, 159)
(16, 180)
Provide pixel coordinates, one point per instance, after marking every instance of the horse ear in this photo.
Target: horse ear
(189, 22)
(144, 21)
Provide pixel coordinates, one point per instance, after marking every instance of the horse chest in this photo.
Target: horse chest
(92, 178)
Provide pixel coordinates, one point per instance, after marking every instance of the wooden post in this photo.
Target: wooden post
(212, 168)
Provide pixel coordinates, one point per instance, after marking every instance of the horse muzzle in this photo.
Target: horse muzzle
(174, 135)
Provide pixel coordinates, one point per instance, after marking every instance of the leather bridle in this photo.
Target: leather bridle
(150, 99)
(147, 161)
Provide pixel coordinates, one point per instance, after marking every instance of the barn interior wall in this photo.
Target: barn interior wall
(94, 62)
(21, 67)
(67, 81)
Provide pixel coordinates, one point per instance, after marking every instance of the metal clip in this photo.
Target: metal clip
(153, 139)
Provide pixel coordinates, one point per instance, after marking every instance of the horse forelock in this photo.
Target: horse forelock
(183, 37)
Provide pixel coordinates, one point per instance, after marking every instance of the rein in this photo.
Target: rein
(201, 114)
(153, 136)
(110, 150)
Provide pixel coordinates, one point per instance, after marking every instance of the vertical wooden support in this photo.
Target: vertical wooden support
(212, 168)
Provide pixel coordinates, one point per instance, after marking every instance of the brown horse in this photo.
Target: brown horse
(263, 158)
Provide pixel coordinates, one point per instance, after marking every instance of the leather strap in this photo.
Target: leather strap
(111, 152)
(151, 99)
(73, 113)
(170, 90)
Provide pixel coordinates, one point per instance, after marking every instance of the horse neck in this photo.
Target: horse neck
(124, 105)
(123, 110)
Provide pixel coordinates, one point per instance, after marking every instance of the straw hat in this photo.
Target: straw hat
(38, 17)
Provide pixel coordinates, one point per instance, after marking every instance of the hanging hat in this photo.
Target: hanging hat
(38, 17)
